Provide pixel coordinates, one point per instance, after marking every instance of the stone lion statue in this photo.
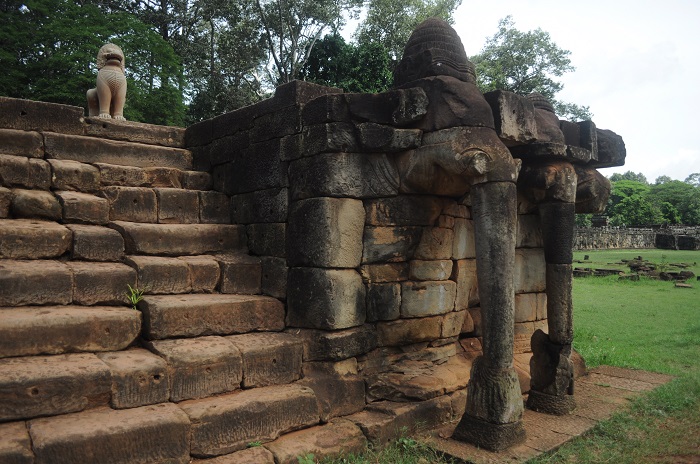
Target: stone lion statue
(107, 99)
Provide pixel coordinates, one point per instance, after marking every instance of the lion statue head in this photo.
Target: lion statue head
(110, 52)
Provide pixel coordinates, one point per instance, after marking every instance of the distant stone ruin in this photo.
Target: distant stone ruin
(320, 270)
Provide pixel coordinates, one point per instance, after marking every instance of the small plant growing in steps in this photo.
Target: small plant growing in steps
(135, 295)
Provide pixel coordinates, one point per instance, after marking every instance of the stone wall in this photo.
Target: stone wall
(673, 238)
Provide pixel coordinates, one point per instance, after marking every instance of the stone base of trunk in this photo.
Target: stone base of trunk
(493, 437)
(558, 405)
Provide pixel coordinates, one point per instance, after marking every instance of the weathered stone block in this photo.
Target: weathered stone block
(83, 208)
(383, 302)
(291, 147)
(522, 335)
(124, 176)
(529, 233)
(338, 438)
(274, 276)
(321, 345)
(158, 433)
(380, 273)
(200, 367)
(33, 330)
(5, 202)
(406, 331)
(420, 299)
(267, 239)
(380, 138)
(514, 116)
(196, 180)
(475, 313)
(95, 243)
(338, 388)
(28, 239)
(529, 270)
(203, 273)
(326, 108)
(530, 306)
(228, 423)
(325, 298)
(27, 115)
(396, 107)
(21, 143)
(403, 210)
(269, 358)
(139, 378)
(325, 232)
(463, 245)
(453, 323)
(150, 134)
(334, 137)
(15, 445)
(356, 175)
(71, 175)
(158, 275)
(214, 208)
(134, 204)
(467, 324)
(430, 270)
(29, 386)
(170, 316)
(257, 167)
(260, 207)
(101, 283)
(435, 243)
(163, 177)
(276, 124)
(177, 206)
(254, 455)
(35, 204)
(611, 149)
(240, 274)
(390, 243)
(35, 283)
(18, 171)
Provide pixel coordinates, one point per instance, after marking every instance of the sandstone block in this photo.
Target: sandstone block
(177, 206)
(200, 367)
(406, 331)
(260, 207)
(124, 176)
(27, 115)
(179, 239)
(157, 275)
(35, 204)
(227, 423)
(321, 345)
(429, 298)
(380, 138)
(356, 175)
(35, 283)
(452, 323)
(18, 171)
(214, 208)
(463, 246)
(267, 239)
(390, 243)
(15, 445)
(435, 243)
(521, 338)
(338, 438)
(22, 143)
(471, 345)
(333, 137)
(257, 167)
(291, 147)
(514, 116)
(50, 385)
(274, 276)
(32, 330)
(29, 239)
(203, 273)
(467, 323)
(83, 208)
(139, 378)
(325, 298)
(611, 149)
(269, 358)
(403, 210)
(382, 273)
(276, 124)
(158, 433)
(101, 283)
(93, 150)
(430, 270)
(339, 391)
(325, 232)
(94, 243)
(136, 204)
(399, 107)
(326, 108)
(475, 314)
(529, 232)
(254, 455)
(196, 180)
(464, 274)
(5, 202)
(240, 273)
(161, 177)
(530, 270)
(71, 175)
(150, 134)
(383, 302)
(530, 306)
(194, 315)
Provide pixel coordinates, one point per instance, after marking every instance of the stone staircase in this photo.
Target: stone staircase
(200, 368)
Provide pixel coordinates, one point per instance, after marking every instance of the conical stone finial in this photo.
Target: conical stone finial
(541, 102)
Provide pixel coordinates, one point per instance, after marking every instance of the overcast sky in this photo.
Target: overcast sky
(637, 67)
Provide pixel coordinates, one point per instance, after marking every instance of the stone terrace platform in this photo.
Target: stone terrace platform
(603, 392)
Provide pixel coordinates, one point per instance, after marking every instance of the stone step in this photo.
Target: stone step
(150, 434)
(193, 315)
(33, 239)
(269, 358)
(32, 330)
(180, 239)
(49, 282)
(134, 176)
(129, 131)
(93, 150)
(228, 423)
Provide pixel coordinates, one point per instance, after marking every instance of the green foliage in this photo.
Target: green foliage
(526, 62)
(679, 198)
(584, 220)
(636, 177)
(135, 295)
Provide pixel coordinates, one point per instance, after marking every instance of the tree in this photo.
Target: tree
(661, 180)
(629, 175)
(526, 62)
(693, 179)
(680, 195)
